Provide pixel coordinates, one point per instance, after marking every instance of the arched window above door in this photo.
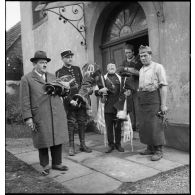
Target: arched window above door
(126, 22)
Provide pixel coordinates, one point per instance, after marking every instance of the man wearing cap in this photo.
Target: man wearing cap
(130, 69)
(74, 115)
(152, 99)
(43, 114)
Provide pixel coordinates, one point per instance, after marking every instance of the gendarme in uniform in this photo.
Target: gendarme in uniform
(74, 115)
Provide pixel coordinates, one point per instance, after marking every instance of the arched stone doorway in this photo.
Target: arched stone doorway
(126, 23)
(101, 19)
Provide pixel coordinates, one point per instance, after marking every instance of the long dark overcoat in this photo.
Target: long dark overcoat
(47, 111)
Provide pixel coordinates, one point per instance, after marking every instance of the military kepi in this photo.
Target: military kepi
(66, 53)
(40, 55)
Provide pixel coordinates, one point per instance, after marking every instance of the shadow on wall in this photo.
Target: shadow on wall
(178, 136)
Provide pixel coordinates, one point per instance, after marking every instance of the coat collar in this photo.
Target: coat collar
(37, 77)
(119, 77)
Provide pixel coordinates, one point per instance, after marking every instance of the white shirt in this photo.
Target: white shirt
(151, 77)
(41, 75)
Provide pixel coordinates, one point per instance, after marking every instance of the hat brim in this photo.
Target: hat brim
(35, 59)
(70, 54)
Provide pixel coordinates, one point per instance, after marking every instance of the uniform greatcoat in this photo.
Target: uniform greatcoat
(47, 111)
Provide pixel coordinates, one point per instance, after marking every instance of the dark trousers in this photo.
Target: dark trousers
(113, 128)
(134, 112)
(76, 117)
(56, 155)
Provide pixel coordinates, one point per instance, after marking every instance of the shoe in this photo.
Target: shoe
(146, 152)
(110, 149)
(45, 171)
(157, 156)
(84, 148)
(71, 151)
(120, 149)
(60, 167)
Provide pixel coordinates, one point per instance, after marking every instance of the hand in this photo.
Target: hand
(29, 122)
(103, 90)
(73, 102)
(89, 112)
(65, 84)
(127, 92)
(163, 108)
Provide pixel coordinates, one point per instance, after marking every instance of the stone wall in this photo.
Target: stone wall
(170, 42)
(175, 56)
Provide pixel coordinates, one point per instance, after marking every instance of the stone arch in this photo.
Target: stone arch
(104, 11)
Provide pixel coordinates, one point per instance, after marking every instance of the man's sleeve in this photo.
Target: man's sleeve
(138, 63)
(120, 68)
(80, 77)
(161, 75)
(25, 99)
(57, 74)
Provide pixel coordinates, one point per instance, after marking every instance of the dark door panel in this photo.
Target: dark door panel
(117, 54)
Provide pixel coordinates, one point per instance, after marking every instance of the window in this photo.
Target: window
(128, 21)
(38, 17)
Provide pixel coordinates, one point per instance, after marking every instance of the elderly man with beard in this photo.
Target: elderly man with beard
(112, 89)
(152, 99)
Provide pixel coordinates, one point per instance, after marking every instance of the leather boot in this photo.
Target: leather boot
(158, 153)
(148, 151)
(83, 147)
(71, 143)
(119, 148)
(110, 149)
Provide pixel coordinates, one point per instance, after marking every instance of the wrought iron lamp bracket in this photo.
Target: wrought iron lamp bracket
(159, 10)
(78, 23)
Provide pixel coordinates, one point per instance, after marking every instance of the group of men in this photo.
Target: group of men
(53, 118)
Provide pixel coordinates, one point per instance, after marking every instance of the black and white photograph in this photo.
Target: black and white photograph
(97, 97)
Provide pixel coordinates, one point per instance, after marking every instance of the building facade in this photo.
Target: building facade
(104, 28)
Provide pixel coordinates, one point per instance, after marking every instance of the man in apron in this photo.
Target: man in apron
(152, 99)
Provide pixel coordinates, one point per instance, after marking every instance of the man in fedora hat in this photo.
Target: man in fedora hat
(44, 114)
(74, 115)
(152, 100)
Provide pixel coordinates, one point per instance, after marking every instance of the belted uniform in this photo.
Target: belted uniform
(75, 116)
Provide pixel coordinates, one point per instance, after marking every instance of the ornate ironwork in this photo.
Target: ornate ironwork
(78, 22)
(159, 10)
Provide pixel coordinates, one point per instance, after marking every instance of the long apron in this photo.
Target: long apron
(151, 130)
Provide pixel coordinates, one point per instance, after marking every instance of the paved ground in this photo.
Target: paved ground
(98, 172)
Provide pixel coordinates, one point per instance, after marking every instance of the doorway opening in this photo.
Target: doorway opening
(143, 40)
(126, 24)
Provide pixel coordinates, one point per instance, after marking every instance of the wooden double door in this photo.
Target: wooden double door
(115, 52)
